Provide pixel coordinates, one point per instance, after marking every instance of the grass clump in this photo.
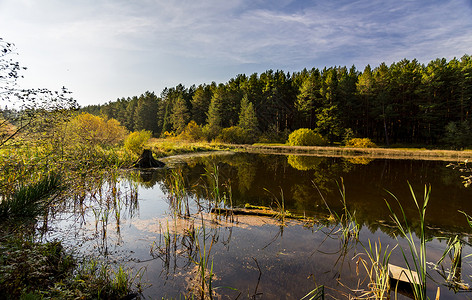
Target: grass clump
(376, 267)
(29, 201)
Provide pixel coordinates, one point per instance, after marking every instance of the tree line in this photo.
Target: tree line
(404, 103)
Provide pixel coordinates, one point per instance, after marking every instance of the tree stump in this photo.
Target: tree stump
(146, 160)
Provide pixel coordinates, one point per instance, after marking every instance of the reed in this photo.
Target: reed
(376, 267)
(453, 275)
(281, 213)
(349, 227)
(178, 195)
(316, 294)
(415, 259)
(219, 193)
(215, 191)
(204, 289)
(30, 200)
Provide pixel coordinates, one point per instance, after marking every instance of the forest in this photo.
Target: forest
(406, 103)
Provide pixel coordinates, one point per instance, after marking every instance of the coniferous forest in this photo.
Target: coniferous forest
(406, 103)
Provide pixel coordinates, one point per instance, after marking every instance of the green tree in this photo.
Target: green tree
(146, 113)
(180, 115)
(200, 103)
(328, 123)
(365, 90)
(247, 117)
(215, 112)
(309, 98)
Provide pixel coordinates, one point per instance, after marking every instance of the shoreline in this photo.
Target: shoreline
(373, 153)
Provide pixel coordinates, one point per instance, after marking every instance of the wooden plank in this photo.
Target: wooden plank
(402, 274)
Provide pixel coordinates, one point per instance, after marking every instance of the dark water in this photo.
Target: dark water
(263, 259)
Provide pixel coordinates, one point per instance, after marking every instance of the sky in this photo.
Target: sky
(102, 50)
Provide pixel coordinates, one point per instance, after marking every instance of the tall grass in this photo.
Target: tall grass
(415, 258)
(377, 271)
(219, 193)
(349, 227)
(205, 290)
(454, 250)
(178, 195)
(280, 206)
(30, 200)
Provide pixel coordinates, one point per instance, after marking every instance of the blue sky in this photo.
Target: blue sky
(102, 50)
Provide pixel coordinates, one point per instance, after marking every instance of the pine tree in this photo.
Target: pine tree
(247, 117)
(180, 115)
(215, 112)
(200, 103)
(146, 113)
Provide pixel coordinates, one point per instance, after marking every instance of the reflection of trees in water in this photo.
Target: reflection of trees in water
(304, 197)
(149, 178)
(359, 160)
(304, 162)
(304, 178)
(107, 197)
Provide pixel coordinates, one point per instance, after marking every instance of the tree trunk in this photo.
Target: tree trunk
(146, 160)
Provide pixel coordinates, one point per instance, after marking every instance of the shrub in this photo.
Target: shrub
(94, 130)
(305, 137)
(360, 143)
(135, 141)
(192, 132)
(233, 135)
(273, 135)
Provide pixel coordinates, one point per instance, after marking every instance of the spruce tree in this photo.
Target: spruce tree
(247, 117)
(180, 115)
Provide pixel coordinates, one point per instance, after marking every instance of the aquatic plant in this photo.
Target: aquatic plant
(205, 269)
(463, 167)
(280, 206)
(349, 227)
(415, 259)
(30, 200)
(219, 194)
(316, 294)
(453, 276)
(35, 270)
(178, 195)
(377, 271)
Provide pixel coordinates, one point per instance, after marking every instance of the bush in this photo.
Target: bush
(94, 130)
(233, 135)
(135, 141)
(192, 132)
(305, 137)
(273, 135)
(360, 143)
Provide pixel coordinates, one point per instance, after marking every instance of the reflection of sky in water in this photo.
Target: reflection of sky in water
(293, 259)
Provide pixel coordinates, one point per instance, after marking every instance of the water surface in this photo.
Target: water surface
(132, 221)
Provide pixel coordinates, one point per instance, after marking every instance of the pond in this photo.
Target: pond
(135, 219)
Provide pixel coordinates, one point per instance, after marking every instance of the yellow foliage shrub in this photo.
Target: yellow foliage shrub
(305, 137)
(95, 130)
(360, 143)
(135, 141)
